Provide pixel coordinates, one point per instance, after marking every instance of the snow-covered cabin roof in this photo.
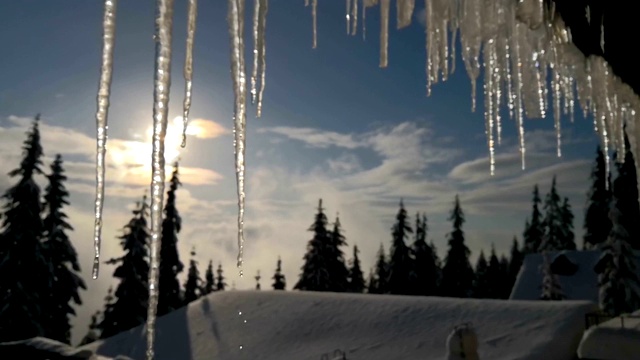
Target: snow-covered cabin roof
(575, 271)
(283, 325)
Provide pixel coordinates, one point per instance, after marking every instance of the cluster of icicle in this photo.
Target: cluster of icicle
(519, 43)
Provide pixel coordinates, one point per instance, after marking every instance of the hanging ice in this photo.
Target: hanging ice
(259, 52)
(404, 10)
(384, 32)
(162, 84)
(366, 4)
(104, 91)
(192, 11)
(238, 77)
(354, 18)
(348, 16)
(314, 15)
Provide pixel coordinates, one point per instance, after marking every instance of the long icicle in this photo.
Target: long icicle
(102, 114)
(256, 46)
(192, 11)
(238, 77)
(262, 52)
(162, 84)
(384, 32)
(314, 15)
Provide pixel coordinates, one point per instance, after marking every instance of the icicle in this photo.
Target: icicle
(162, 84)
(384, 32)
(192, 10)
(366, 4)
(404, 10)
(314, 15)
(104, 91)
(254, 74)
(471, 41)
(517, 68)
(602, 34)
(262, 52)
(488, 101)
(354, 18)
(555, 82)
(349, 15)
(238, 77)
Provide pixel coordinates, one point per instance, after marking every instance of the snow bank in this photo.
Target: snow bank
(305, 325)
(610, 341)
(43, 348)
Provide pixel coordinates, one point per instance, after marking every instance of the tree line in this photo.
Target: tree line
(40, 278)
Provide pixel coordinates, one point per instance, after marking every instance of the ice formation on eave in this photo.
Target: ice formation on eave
(518, 43)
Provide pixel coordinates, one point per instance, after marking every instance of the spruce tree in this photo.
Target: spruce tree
(220, 279)
(505, 285)
(279, 280)
(438, 268)
(108, 308)
(481, 279)
(169, 296)
(63, 259)
(335, 264)
(94, 332)
(257, 277)
(315, 275)
(597, 224)
(617, 273)
(209, 280)
(496, 275)
(626, 182)
(515, 263)
(568, 241)
(551, 289)
(193, 285)
(356, 277)
(457, 273)
(553, 239)
(24, 270)
(130, 307)
(379, 283)
(425, 261)
(534, 229)
(400, 262)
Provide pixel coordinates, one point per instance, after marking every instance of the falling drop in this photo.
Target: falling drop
(104, 91)
(192, 10)
(238, 77)
(162, 84)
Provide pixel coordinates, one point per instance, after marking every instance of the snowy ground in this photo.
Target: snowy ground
(611, 341)
(305, 325)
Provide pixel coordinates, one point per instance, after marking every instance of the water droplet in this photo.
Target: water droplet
(239, 313)
(245, 321)
(241, 347)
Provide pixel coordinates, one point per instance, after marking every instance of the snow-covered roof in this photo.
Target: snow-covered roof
(612, 340)
(305, 325)
(582, 285)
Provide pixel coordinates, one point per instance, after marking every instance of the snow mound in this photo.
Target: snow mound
(43, 348)
(306, 325)
(611, 341)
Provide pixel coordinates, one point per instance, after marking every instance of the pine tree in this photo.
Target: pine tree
(169, 296)
(315, 275)
(517, 257)
(505, 286)
(257, 277)
(553, 221)
(617, 273)
(551, 289)
(279, 280)
(438, 268)
(24, 270)
(335, 264)
(356, 277)
(457, 273)
(220, 279)
(94, 332)
(108, 308)
(481, 280)
(193, 285)
(62, 257)
(379, 283)
(597, 224)
(400, 262)
(568, 239)
(496, 275)
(628, 203)
(130, 307)
(209, 280)
(534, 230)
(425, 261)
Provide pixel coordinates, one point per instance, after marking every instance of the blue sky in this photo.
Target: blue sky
(334, 125)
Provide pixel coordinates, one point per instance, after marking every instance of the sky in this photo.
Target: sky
(334, 126)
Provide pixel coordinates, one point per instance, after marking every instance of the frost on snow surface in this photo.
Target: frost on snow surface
(613, 341)
(382, 327)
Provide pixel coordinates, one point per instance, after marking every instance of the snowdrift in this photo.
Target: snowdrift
(306, 325)
(611, 341)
